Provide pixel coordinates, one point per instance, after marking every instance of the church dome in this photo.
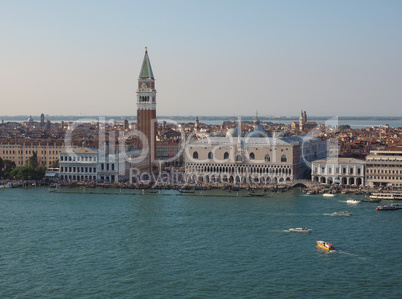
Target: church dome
(258, 131)
(30, 119)
(233, 132)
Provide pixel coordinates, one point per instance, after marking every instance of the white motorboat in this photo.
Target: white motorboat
(300, 230)
(341, 214)
(328, 195)
(352, 201)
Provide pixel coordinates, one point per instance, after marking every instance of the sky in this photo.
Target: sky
(208, 57)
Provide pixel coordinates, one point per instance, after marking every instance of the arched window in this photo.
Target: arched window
(226, 155)
(284, 158)
(195, 155)
(251, 156)
(238, 158)
(267, 158)
(210, 155)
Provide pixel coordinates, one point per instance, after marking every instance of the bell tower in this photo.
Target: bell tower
(146, 109)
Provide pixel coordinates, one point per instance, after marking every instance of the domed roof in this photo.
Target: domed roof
(30, 119)
(258, 133)
(233, 132)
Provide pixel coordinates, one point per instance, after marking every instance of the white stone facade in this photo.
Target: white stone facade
(384, 167)
(258, 160)
(345, 171)
(79, 164)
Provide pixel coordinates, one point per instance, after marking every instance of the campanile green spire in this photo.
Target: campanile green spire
(146, 70)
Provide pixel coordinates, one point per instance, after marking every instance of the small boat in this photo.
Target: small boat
(352, 201)
(185, 191)
(371, 200)
(300, 230)
(309, 192)
(256, 194)
(328, 195)
(149, 191)
(341, 214)
(9, 186)
(392, 207)
(325, 245)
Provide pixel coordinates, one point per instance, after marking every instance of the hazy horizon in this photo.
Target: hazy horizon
(208, 57)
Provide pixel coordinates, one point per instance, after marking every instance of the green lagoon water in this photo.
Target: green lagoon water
(61, 245)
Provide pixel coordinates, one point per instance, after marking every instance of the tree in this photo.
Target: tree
(13, 173)
(55, 164)
(344, 127)
(7, 168)
(1, 166)
(33, 160)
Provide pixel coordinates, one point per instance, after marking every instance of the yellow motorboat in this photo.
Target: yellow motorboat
(325, 245)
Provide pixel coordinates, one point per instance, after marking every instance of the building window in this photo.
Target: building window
(195, 155)
(210, 155)
(284, 158)
(226, 155)
(238, 158)
(251, 156)
(267, 158)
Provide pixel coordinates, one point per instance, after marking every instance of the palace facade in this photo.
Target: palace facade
(257, 159)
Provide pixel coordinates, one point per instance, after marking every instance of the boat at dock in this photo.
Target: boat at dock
(300, 230)
(345, 214)
(325, 245)
(256, 194)
(391, 207)
(387, 195)
(328, 195)
(185, 191)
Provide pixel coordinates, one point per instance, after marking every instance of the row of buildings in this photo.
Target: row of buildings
(381, 168)
(222, 154)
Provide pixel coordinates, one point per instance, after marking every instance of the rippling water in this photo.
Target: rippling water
(85, 245)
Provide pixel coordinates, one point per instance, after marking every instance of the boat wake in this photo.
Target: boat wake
(341, 251)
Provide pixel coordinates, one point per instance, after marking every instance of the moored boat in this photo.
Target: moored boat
(328, 195)
(185, 191)
(391, 207)
(300, 230)
(345, 213)
(325, 245)
(256, 194)
(352, 201)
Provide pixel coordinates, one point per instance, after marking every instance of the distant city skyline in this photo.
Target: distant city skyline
(208, 57)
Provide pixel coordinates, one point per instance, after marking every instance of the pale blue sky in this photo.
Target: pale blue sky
(208, 57)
